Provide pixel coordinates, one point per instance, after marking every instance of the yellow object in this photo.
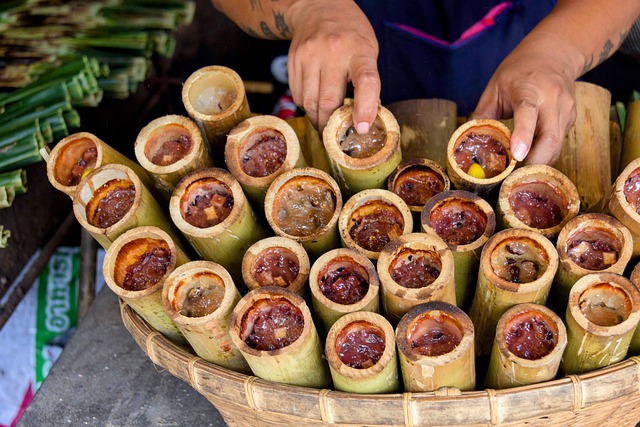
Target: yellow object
(86, 172)
(476, 171)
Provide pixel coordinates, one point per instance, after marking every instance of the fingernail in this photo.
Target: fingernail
(362, 128)
(520, 152)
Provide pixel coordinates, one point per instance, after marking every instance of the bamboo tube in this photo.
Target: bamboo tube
(210, 209)
(314, 152)
(215, 99)
(585, 157)
(112, 199)
(360, 162)
(624, 202)
(303, 204)
(415, 268)
(485, 143)
(516, 266)
(372, 218)
(630, 146)
(615, 145)
(170, 147)
(602, 315)
(589, 243)
(199, 297)
(343, 281)
(135, 268)
(634, 346)
(416, 181)
(537, 197)
(276, 261)
(361, 351)
(435, 346)
(260, 149)
(274, 331)
(80, 153)
(464, 221)
(528, 346)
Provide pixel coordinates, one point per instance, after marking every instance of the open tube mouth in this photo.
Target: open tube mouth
(277, 266)
(415, 268)
(632, 190)
(481, 146)
(168, 144)
(360, 344)
(434, 333)
(593, 248)
(212, 93)
(206, 202)
(605, 305)
(198, 295)
(74, 160)
(530, 335)
(142, 263)
(271, 324)
(263, 152)
(538, 204)
(458, 221)
(110, 203)
(374, 224)
(343, 281)
(361, 146)
(519, 260)
(416, 184)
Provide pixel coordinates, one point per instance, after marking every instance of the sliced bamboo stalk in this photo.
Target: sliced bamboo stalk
(624, 202)
(304, 204)
(465, 222)
(634, 346)
(484, 143)
(343, 281)
(170, 147)
(210, 209)
(602, 315)
(101, 200)
(361, 351)
(215, 99)
(528, 346)
(537, 197)
(631, 132)
(315, 153)
(413, 269)
(359, 162)
(274, 331)
(516, 266)
(260, 149)
(587, 244)
(372, 218)
(276, 261)
(135, 268)
(615, 144)
(199, 297)
(435, 346)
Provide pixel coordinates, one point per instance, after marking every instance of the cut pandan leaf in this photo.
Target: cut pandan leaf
(622, 114)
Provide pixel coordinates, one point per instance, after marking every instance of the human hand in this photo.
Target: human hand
(333, 43)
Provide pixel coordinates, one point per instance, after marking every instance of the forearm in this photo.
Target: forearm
(265, 19)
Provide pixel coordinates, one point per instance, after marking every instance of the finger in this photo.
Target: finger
(525, 119)
(548, 139)
(332, 89)
(366, 92)
(489, 106)
(294, 73)
(310, 91)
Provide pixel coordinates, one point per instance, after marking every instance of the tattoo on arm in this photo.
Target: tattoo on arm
(255, 4)
(281, 25)
(250, 31)
(266, 30)
(587, 65)
(606, 51)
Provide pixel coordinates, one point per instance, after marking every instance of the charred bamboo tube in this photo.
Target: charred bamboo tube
(361, 351)
(634, 347)
(170, 147)
(417, 181)
(589, 243)
(516, 266)
(276, 261)
(359, 162)
(537, 197)
(435, 346)
(415, 268)
(465, 222)
(304, 204)
(624, 202)
(479, 157)
(602, 315)
(112, 199)
(199, 297)
(80, 153)
(258, 150)
(343, 281)
(135, 268)
(274, 331)
(372, 218)
(630, 146)
(215, 99)
(529, 343)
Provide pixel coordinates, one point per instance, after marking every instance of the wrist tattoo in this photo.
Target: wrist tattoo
(255, 4)
(606, 51)
(281, 25)
(587, 65)
(252, 33)
(266, 30)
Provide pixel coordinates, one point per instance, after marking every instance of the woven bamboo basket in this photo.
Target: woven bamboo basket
(606, 397)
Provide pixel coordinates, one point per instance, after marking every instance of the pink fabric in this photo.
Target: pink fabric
(28, 395)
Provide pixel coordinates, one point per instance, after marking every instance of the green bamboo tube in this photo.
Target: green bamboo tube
(528, 346)
(370, 159)
(435, 346)
(416, 182)
(217, 233)
(372, 218)
(537, 197)
(489, 175)
(304, 204)
(602, 315)
(624, 202)
(634, 347)
(276, 261)
(589, 243)
(284, 355)
(343, 281)
(125, 273)
(413, 269)
(260, 149)
(465, 222)
(66, 165)
(516, 266)
(199, 297)
(630, 147)
(361, 351)
(96, 187)
(160, 149)
(216, 100)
